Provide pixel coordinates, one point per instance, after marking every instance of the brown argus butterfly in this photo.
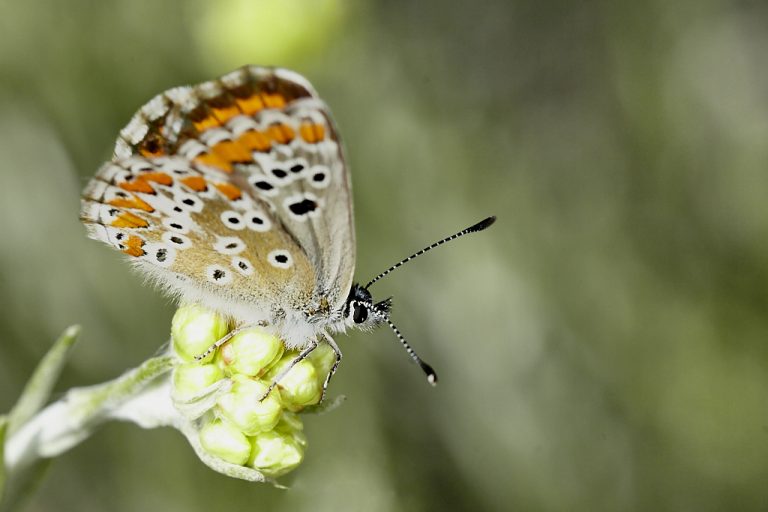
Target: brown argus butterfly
(234, 194)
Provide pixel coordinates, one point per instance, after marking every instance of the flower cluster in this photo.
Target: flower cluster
(223, 391)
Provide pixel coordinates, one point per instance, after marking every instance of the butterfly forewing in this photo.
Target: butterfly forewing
(235, 192)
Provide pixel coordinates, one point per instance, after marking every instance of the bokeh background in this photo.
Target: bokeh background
(603, 347)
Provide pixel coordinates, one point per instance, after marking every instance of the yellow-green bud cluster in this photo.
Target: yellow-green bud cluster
(239, 428)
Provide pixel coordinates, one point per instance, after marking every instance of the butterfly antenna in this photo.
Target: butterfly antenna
(471, 229)
(430, 373)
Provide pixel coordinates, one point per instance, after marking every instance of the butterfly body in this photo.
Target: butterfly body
(235, 194)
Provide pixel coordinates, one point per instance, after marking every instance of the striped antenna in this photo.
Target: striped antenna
(430, 373)
(471, 229)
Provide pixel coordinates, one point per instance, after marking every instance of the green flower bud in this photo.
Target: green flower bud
(189, 379)
(194, 329)
(300, 387)
(241, 406)
(226, 442)
(323, 358)
(251, 351)
(274, 453)
(290, 424)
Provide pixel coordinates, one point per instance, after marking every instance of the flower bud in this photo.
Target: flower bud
(189, 379)
(300, 387)
(290, 424)
(241, 406)
(250, 352)
(195, 329)
(323, 358)
(225, 441)
(274, 453)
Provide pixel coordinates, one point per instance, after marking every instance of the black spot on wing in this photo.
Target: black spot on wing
(303, 207)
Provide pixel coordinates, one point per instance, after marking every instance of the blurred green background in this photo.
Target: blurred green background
(603, 347)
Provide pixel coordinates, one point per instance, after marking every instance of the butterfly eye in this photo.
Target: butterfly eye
(359, 313)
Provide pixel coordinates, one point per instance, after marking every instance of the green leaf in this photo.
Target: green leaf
(38, 389)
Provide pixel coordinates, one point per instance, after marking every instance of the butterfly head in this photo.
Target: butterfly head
(361, 311)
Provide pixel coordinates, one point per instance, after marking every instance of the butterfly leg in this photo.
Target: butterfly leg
(335, 347)
(302, 355)
(231, 334)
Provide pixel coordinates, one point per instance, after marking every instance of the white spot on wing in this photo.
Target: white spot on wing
(234, 79)
(263, 186)
(215, 135)
(176, 240)
(159, 254)
(155, 108)
(98, 232)
(188, 202)
(95, 189)
(257, 221)
(292, 76)
(242, 265)
(135, 130)
(233, 220)
(182, 96)
(229, 245)
(209, 89)
(280, 258)
(319, 176)
(122, 149)
(191, 149)
(241, 124)
(218, 274)
(174, 165)
(177, 224)
(108, 171)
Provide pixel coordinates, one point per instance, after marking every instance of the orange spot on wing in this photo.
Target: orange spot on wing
(157, 177)
(224, 114)
(259, 101)
(229, 190)
(273, 100)
(137, 185)
(196, 183)
(214, 160)
(312, 132)
(232, 151)
(253, 139)
(207, 122)
(148, 153)
(132, 202)
(250, 105)
(133, 246)
(129, 220)
(281, 133)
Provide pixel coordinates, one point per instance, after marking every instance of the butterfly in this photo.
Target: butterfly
(235, 194)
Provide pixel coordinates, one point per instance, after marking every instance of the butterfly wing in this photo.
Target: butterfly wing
(234, 192)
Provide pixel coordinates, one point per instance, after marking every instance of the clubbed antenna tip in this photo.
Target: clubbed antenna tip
(431, 375)
(483, 224)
